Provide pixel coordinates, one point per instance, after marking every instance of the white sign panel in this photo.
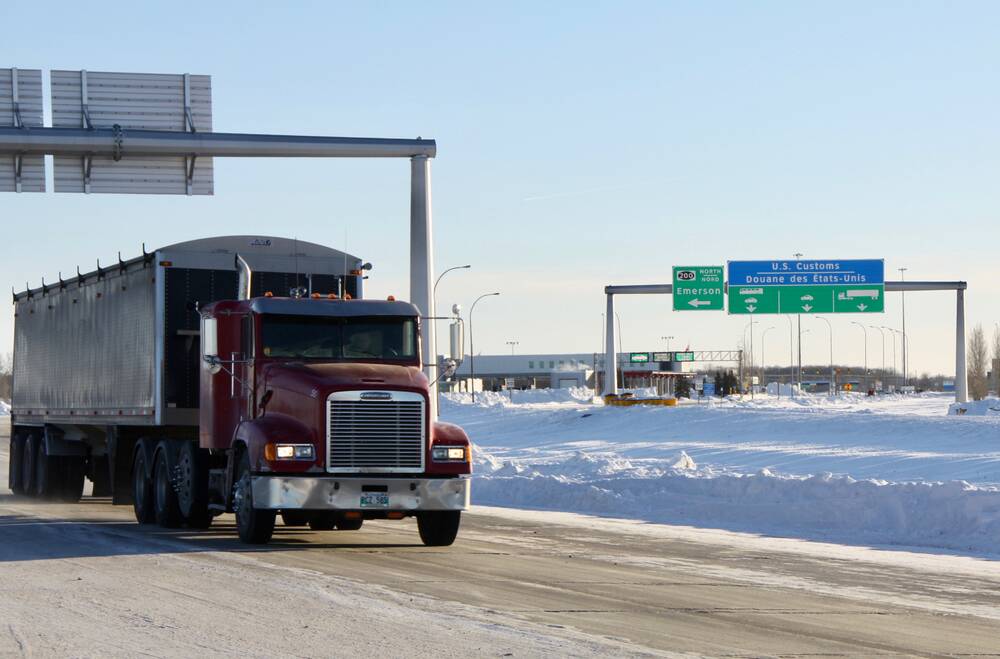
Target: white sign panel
(21, 106)
(132, 101)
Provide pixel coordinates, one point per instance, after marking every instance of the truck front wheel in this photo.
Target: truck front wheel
(438, 528)
(255, 526)
(168, 512)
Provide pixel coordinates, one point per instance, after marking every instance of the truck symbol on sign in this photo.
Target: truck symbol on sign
(807, 298)
(850, 295)
(751, 300)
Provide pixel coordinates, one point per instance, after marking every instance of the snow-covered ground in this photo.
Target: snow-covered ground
(907, 470)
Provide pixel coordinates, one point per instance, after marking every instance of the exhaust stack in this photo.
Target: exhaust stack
(246, 278)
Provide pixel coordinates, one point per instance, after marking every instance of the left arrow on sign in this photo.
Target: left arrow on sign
(699, 303)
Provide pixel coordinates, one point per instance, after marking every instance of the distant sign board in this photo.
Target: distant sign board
(638, 358)
(814, 286)
(708, 389)
(698, 288)
(663, 356)
(683, 356)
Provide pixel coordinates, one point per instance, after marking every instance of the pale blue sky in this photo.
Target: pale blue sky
(579, 144)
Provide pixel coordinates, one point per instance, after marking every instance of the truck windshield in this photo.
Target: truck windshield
(320, 337)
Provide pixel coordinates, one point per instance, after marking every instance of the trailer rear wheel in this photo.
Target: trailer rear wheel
(16, 456)
(142, 489)
(28, 460)
(47, 472)
(166, 510)
(295, 517)
(255, 526)
(344, 524)
(192, 486)
(323, 521)
(72, 469)
(438, 528)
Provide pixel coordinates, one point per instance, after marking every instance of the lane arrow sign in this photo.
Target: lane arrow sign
(751, 308)
(699, 303)
(807, 307)
(862, 306)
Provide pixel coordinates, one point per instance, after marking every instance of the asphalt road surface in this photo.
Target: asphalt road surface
(85, 580)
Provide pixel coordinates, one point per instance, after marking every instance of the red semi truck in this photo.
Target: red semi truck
(237, 374)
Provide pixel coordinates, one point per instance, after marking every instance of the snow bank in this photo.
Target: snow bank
(4, 408)
(521, 397)
(885, 469)
(782, 389)
(985, 407)
(952, 515)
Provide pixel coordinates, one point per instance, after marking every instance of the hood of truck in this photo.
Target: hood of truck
(318, 380)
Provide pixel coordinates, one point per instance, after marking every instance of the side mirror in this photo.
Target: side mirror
(210, 345)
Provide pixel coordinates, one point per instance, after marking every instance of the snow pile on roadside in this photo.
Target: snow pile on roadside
(985, 407)
(894, 469)
(782, 389)
(4, 408)
(535, 396)
(952, 515)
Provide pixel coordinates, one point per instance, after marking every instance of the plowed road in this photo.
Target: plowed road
(85, 580)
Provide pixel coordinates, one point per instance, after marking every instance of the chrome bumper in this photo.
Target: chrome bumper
(330, 493)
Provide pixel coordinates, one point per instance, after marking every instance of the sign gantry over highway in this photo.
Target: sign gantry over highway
(698, 288)
(814, 286)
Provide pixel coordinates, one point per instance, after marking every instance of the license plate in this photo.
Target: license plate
(374, 500)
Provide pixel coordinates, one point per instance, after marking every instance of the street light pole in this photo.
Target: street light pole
(883, 351)
(472, 347)
(902, 276)
(750, 327)
(854, 322)
(798, 378)
(667, 339)
(895, 372)
(833, 388)
(763, 375)
(434, 292)
(512, 344)
(791, 358)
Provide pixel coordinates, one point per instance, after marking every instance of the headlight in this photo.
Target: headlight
(289, 452)
(449, 454)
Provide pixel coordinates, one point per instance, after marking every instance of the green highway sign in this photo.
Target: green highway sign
(683, 356)
(814, 286)
(638, 358)
(753, 299)
(807, 299)
(663, 356)
(859, 299)
(698, 288)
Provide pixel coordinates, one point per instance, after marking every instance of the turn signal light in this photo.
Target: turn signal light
(353, 514)
(268, 294)
(391, 298)
(331, 296)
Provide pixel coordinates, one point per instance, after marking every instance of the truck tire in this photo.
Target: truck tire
(165, 507)
(438, 528)
(295, 517)
(192, 486)
(142, 489)
(344, 524)
(324, 521)
(28, 460)
(255, 526)
(100, 475)
(16, 456)
(72, 470)
(49, 473)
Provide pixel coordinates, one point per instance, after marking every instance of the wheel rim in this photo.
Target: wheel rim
(184, 486)
(161, 485)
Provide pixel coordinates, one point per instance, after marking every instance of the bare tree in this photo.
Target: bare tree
(995, 366)
(978, 355)
(6, 376)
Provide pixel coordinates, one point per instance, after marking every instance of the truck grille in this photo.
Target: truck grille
(375, 432)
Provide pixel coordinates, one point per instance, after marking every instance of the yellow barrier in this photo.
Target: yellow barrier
(619, 401)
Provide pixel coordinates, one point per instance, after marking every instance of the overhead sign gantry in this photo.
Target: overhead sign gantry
(152, 133)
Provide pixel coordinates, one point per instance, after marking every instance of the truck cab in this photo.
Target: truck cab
(321, 408)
